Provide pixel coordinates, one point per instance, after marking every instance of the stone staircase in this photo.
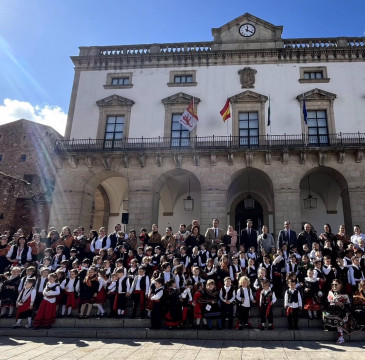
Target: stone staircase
(108, 328)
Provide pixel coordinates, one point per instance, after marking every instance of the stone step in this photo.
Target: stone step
(95, 323)
(142, 333)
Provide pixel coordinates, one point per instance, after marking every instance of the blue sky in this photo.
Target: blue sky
(37, 38)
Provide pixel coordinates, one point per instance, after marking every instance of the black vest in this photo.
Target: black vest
(75, 282)
(225, 295)
(23, 258)
(266, 298)
(357, 272)
(293, 297)
(38, 284)
(122, 285)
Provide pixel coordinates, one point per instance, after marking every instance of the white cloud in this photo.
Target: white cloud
(47, 115)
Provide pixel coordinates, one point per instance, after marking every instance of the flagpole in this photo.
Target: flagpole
(305, 122)
(270, 119)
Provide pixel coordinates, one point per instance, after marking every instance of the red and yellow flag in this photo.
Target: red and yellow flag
(226, 111)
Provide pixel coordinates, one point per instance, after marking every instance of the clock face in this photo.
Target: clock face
(247, 30)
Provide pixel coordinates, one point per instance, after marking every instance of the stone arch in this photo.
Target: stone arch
(170, 189)
(331, 189)
(105, 192)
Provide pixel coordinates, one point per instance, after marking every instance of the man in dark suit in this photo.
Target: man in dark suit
(287, 236)
(249, 236)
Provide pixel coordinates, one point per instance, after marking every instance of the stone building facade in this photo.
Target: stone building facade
(125, 151)
(27, 174)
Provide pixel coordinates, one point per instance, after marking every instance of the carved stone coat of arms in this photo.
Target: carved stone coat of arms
(247, 77)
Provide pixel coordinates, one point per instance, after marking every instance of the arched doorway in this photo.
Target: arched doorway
(242, 213)
(172, 188)
(333, 202)
(254, 183)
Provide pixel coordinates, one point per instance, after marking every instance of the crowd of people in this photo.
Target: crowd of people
(186, 278)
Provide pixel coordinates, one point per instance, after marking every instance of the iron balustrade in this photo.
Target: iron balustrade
(262, 142)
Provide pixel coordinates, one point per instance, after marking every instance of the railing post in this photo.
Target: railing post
(142, 142)
(213, 140)
(359, 138)
(230, 141)
(340, 137)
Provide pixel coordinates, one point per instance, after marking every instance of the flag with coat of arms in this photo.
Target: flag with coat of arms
(189, 118)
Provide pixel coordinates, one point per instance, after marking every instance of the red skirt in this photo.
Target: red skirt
(71, 300)
(46, 314)
(198, 311)
(101, 297)
(311, 305)
(169, 321)
(24, 308)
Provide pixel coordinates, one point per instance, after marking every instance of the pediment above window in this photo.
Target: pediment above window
(115, 100)
(180, 99)
(248, 96)
(316, 94)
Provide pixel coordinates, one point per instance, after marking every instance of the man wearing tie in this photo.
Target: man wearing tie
(214, 235)
(287, 236)
(249, 236)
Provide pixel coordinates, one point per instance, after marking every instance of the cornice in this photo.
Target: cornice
(288, 54)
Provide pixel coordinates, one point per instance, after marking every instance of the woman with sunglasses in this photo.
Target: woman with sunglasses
(338, 312)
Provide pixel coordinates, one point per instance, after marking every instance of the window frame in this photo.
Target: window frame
(23, 157)
(311, 70)
(118, 75)
(248, 101)
(175, 73)
(114, 105)
(318, 99)
(318, 135)
(251, 141)
(181, 131)
(114, 141)
(177, 104)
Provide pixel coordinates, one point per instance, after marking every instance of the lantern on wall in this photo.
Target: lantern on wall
(189, 202)
(310, 202)
(249, 201)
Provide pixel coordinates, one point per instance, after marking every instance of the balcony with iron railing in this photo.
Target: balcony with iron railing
(215, 143)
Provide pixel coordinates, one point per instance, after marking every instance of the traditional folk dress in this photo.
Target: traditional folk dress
(312, 301)
(46, 314)
(9, 292)
(25, 300)
(173, 315)
(156, 313)
(71, 294)
(339, 316)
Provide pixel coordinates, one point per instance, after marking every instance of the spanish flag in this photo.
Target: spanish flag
(226, 111)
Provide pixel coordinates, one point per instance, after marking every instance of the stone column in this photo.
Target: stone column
(66, 209)
(142, 209)
(354, 209)
(287, 207)
(213, 205)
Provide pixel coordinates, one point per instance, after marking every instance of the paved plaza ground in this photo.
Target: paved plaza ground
(55, 348)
